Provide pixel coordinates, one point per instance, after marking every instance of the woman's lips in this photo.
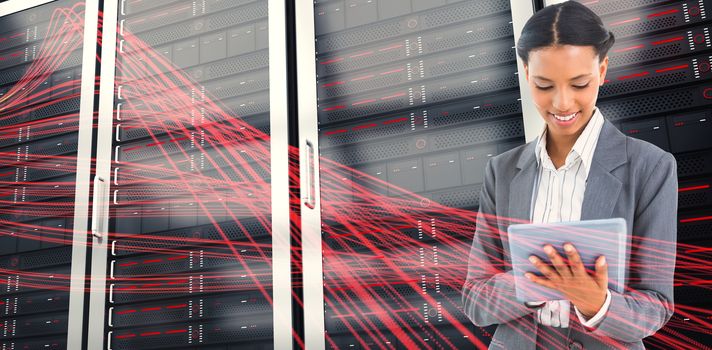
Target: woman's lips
(565, 119)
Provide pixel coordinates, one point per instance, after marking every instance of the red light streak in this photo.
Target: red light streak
(663, 13)
(636, 75)
(693, 188)
(702, 218)
(329, 109)
(670, 40)
(367, 126)
(334, 60)
(630, 48)
(625, 21)
(682, 66)
(392, 121)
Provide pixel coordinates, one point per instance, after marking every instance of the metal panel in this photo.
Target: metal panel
(49, 253)
(407, 100)
(229, 52)
(309, 162)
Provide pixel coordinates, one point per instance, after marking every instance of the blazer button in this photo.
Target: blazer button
(574, 345)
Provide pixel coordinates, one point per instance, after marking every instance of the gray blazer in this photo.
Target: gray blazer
(629, 178)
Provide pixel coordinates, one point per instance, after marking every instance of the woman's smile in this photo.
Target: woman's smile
(565, 119)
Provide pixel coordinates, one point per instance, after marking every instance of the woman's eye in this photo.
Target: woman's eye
(581, 86)
(543, 87)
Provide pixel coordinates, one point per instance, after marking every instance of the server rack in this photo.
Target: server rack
(193, 114)
(659, 89)
(401, 101)
(45, 148)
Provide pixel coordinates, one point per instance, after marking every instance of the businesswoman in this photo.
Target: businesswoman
(579, 168)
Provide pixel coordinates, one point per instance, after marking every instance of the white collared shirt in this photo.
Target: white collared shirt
(559, 197)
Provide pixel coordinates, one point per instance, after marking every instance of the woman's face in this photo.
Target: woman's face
(564, 82)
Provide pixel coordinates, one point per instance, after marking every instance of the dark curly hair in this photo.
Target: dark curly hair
(566, 23)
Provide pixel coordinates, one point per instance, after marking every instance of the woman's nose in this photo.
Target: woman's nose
(562, 101)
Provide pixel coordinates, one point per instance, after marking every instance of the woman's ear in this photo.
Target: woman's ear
(603, 69)
(526, 72)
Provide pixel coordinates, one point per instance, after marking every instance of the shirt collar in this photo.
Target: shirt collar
(583, 147)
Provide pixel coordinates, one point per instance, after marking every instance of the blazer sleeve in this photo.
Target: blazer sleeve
(488, 294)
(647, 303)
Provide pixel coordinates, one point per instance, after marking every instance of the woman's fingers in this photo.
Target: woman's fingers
(544, 268)
(602, 272)
(557, 261)
(540, 281)
(575, 262)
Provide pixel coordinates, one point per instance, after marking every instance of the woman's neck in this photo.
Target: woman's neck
(559, 147)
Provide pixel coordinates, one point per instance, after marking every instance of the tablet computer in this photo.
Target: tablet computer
(592, 238)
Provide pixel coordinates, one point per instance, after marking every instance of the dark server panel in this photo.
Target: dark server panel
(40, 74)
(414, 97)
(190, 256)
(659, 89)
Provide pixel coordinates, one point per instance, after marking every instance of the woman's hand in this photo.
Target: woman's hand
(587, 292)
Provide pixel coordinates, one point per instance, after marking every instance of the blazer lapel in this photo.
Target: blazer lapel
(522, 185)
(602, 187)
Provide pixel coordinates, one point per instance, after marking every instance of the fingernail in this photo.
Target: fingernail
(532, 259)
(528, 275)
(602, 261)
(548, 249)
(568, 247)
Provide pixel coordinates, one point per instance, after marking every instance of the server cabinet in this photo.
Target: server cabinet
(192, 112)
(46, 108)
(401, 105)
(659, 89)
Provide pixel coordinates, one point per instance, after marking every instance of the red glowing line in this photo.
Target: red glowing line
(367, 126)
(132, 148)
(363, 77)
(125, 312)
(392, 71)
(682, 66)
(363, 102)
(395, 121)
(630, 48)
(148, 334)
(361, 54)
(393, 96)
(702, 218)
(178, 257)
(693, 188)
(174, 331)
(663, 13)
(150, 309)
(665, 41)
(333, 132)
(391, 47)
(700, 282)
(698, 250)
(334, 108)
(625, 21)
(333, 84)
(177, 282)
(124, 336)
(636, 75)
(176, 306)
(128, 264)
(334, 60)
